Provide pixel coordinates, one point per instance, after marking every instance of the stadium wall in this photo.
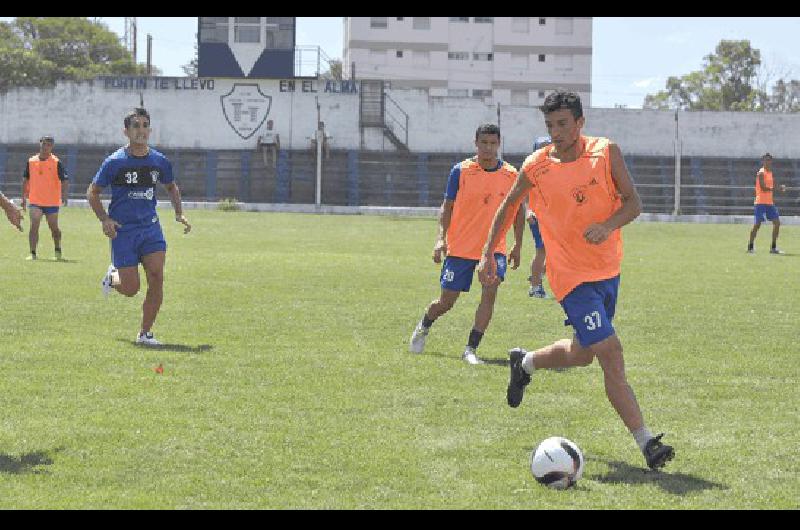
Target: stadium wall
(230, 114)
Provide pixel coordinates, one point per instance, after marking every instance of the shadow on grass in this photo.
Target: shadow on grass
(180, 348)
(27, 463)
(675, 483)
(53, 260)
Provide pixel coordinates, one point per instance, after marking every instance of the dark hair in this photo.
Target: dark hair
(487, 128)
(561, 99)
(136, 112)
(766, 155)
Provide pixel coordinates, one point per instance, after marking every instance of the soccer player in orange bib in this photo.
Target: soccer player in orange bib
(764, 208)
(581, 192)
(475, 189)
(43, 184)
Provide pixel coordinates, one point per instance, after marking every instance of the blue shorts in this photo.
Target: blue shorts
(590, 309)
(537, 236)
(766, 212)
(129, 246)
(457, 272)
(47, 210)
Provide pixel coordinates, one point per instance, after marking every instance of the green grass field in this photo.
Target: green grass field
(287, 382)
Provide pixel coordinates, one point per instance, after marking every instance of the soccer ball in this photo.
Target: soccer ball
(557, 463)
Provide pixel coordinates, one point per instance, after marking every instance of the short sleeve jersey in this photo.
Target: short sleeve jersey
(133, 181)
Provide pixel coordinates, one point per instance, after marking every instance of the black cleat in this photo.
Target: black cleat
(656, 453)
(519, 378)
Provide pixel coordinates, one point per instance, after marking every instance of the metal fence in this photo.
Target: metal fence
(707, 185)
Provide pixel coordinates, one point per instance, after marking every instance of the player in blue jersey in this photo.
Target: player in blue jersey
(537, 264)
(132, 222)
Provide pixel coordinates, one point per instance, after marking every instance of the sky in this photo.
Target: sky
(632, 57)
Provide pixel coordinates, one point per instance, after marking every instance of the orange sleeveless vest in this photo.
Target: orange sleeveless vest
(567, 197)
(43, 184)
(480, 193)
(764, 197)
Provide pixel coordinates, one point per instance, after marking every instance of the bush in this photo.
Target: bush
(229, 204)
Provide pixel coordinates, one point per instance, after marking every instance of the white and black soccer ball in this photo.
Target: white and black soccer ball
(557, 463)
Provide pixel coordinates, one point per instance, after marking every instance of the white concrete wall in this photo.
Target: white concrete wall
(90, 114)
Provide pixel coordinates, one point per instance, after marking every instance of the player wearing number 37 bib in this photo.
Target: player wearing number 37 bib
(582, 195)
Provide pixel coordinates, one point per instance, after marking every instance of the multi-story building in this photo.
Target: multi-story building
(508, 60)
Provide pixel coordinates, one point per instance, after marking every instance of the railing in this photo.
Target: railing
(396, 117)
(310, 61)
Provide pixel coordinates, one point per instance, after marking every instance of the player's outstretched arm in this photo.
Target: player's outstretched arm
(631, 202)
(445, 215)
(109, 225)
(175, 198)
(13, 213)
(505, 215)
(519, 234)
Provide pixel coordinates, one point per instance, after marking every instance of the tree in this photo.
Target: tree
(38, 51)
(334, 70)
(726, 82)
(190, 68)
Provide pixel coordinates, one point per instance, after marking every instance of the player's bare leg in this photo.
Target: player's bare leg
(33, 233)
(753, 234)
(483, 315)
(154, 268)
(52, 222)
(437, 308)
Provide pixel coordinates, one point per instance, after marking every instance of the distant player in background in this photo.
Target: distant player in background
(475, 189)
(45, 189)
(765, 209)
(13, 213)
(582, 195)
(538, 262)
(132, 223)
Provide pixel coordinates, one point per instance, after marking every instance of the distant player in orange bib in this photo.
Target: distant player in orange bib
(44, 187)
(581, 192)
(475, 189)
(764, 209)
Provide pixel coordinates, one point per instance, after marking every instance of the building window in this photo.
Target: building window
(542, 21)
(400, 19)
(280, 33)
(458, 56)
(520, 24)
(484, 20)
(459, 19)
(399, 54)
(458, 92)
(563, 26)
(378, 22)
(421, 23)
(481, 56)
(247, 29)
(214, 29)
(541, 57)
(519, 97)
(481, 93)
(541, 94)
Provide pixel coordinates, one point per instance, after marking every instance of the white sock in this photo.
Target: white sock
(527, 363)
(642, 436)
